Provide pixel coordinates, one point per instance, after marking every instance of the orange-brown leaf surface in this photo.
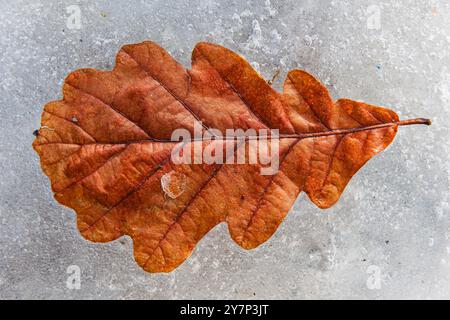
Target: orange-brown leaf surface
(106, 148)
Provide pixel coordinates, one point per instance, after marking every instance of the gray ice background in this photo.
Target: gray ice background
(392, 222)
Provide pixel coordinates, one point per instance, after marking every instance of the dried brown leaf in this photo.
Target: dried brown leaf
(113, 166)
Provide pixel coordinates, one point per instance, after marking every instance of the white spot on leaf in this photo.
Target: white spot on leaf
(173, 184)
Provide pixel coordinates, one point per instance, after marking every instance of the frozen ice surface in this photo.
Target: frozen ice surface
(388, 237)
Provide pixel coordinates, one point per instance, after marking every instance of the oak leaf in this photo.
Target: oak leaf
(106, 149)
